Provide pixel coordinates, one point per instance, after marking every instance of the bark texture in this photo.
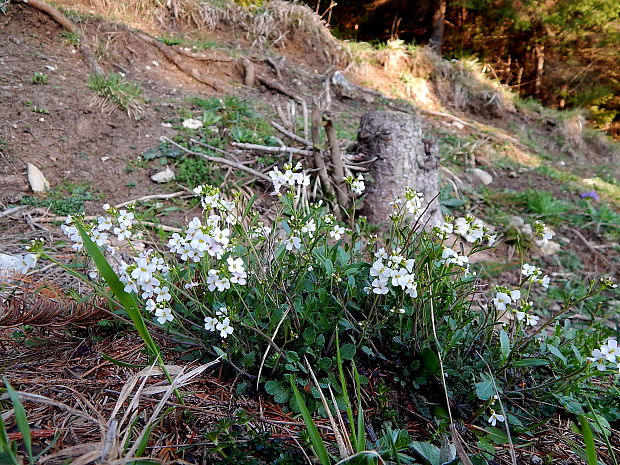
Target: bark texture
(404, 158)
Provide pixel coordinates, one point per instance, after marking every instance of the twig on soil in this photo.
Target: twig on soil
(290, 134)
(203, 56)
(10, 211)
(223, 161)
(152, 197)
(67, 24)
(273, 85)
(150, 224)
(266, 148)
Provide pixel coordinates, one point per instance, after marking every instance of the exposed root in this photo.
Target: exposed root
(68, 25)
(173, 57)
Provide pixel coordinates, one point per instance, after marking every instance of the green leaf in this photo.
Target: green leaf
(20, 418)
(555, 351)
(278, 390)
(119, 363)
(6, 454)
(430, 361)
(485, 389)
(530, 362)
(317, 443)
(347, 351)
(505, 344)
(428, 451)
(588, 440)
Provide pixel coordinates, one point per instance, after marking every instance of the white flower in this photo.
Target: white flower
(357, 185)
(381, 254)
(598, 358)
(210, 323)
(492, 238)
(495, 417)
(501, 300)
(381, 271)
(461, 226)
(610, 350)
(163, 314)
(337, 232)
(162, 294)
(26, 263)
(224, 328)
(150, 305)
(309, 228)
(192, 123)
(544, 281)
(143, 272)
(528, 270)
(235, 265)
(293, 242)
(104, 223)
(531, 320)
(379, 287)
(515, 295)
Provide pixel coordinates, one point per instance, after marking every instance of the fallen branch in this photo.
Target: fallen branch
(150, 224)
(273, 85)
(319, 162)
(336, 157)
(152, 197)
(266, 148)
(171, 55)
(223, 161)
(68, 25)
(290, 134)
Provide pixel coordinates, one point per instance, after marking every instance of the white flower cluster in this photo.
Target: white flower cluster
(356, 183)
(201, 240)
(394, 269)
(290, 177)
(212, 199)
(222, 279)
(544, 232)
(506, 299)
(17, 264)
(411, 205)
(607, 353)
(535, 275)
(100, 234)
(469, 228)
(450, 256)
(146, 277)
(221, 324)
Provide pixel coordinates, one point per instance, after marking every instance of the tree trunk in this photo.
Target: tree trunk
(404, 158)
(436, 40)
(539, 56)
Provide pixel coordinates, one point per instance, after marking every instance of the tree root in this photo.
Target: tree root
(68, 25)
(173, 57)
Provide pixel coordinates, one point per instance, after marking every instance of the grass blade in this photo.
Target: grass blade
(345, 394)
(5, 446)
(117, 287)
(319, 447)
(588, 440)
(20, 419)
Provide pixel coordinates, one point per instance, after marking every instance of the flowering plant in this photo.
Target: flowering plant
(273, 298)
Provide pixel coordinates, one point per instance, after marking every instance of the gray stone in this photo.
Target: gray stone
(550, 248)
(163, 176)
(482, 176)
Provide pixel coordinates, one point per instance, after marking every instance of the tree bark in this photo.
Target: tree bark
(404, 158)
(437, 32)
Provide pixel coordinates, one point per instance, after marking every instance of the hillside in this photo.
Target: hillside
(98, 139)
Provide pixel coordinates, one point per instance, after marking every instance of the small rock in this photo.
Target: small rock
(163, 176)
(519, 224)
(512, 174)
(564, 240)
(536, 460)
(37, 181)
(550, 248)
(482, 176)
(105, 158)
